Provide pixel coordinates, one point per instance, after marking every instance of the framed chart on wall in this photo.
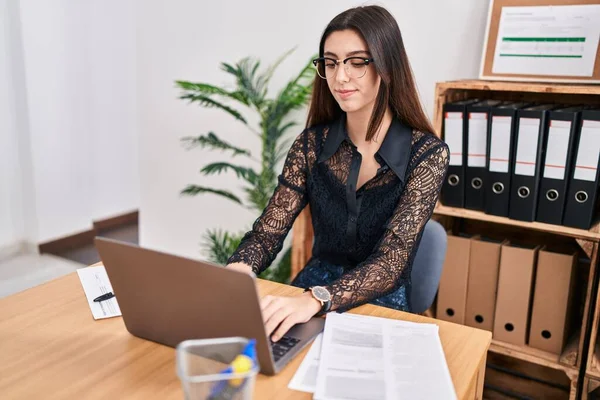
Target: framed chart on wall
(542, 40)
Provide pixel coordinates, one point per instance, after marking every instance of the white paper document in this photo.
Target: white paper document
(477, 139)
(453, 136)
(589, 151)
(376, 358)
(415, 363)
(95, 283)
(548, 40)
(500, 143)
(527, 143)
(556, 149)
(305, 379)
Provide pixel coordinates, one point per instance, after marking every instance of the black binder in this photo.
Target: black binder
(530, 138)
(501, 146)
(583, 187)
(454, 128)
(556, 166)
(477, 133)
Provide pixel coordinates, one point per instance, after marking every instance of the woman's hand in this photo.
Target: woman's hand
(239, 266)
(285, 312)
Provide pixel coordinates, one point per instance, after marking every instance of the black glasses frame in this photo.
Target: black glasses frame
(316, 61)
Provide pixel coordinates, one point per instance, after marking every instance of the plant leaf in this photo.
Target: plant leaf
(282, 150)
(263, 80)
(297, 92)
(192, 190)
(280, 272)
(206, 89)
(220, 245)
(206, 101)
(244, 72)
(211, 140)
(247, 174)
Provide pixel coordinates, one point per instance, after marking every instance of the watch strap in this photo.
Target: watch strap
(324, 308)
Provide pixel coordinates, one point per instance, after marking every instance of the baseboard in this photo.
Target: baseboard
(67, 243)
(16, 249)
(117, 221)
(85, 238)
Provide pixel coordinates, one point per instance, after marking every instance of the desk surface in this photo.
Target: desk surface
(51, 346)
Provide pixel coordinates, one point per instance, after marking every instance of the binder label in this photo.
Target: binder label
(477, 139)
(556, 149)
(500, 143)
(589, 149)
(527, 146)
(453, 135)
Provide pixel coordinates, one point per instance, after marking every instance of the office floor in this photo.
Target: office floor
(28, 270)
(88, 255)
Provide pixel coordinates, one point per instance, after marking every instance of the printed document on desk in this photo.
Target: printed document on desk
(305, 378)
(95, 283)
(376, 358)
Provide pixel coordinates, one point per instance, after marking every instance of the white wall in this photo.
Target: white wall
(187, 39)
(70, 113)
(12, 176)
(115, 165)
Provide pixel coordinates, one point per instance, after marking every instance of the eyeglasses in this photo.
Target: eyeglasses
(355, 67)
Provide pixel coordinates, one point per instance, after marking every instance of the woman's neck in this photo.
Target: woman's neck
(357, 124)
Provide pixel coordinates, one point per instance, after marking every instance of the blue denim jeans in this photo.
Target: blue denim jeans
(320, 273)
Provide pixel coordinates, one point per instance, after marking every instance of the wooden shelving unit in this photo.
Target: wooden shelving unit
(591, 389)
(570, 362)
(593, 234)
(584, 341)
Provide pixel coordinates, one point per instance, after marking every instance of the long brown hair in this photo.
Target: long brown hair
(380, 31)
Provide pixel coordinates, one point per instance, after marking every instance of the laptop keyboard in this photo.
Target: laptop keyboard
(281, 347)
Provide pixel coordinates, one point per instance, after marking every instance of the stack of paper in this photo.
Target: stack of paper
(361, 357)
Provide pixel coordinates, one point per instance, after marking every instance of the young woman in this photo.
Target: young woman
(368, 166)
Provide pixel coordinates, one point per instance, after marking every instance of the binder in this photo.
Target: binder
(484, 260)
(452, 291)
(556, 167)
(454, 128)
(583, 187)
(525, 175)
(501, 145)
(550, 313)
(477, 133)
(515, 290)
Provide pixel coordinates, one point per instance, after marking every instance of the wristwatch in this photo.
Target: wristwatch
(323, 296)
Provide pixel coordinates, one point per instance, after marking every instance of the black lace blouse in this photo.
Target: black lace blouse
(372, 231)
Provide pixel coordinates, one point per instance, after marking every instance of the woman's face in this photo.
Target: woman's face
(352, 94)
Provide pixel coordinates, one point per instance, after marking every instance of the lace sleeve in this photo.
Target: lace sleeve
(260, 246)
(383, 270)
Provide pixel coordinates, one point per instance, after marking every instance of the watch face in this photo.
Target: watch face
(321, 293)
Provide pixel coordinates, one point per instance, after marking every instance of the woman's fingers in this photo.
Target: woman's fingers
(270, 309)
(285, 326)
(273, 322)
(267, 307)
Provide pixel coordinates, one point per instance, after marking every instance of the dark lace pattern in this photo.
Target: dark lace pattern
(373, 232)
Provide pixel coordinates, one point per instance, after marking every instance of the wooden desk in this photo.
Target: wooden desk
(52, 348)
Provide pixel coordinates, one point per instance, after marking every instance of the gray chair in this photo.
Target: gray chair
(427, 266)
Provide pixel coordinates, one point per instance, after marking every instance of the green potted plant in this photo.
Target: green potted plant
(250, 91)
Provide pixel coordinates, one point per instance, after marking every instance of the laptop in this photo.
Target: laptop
(169, 299)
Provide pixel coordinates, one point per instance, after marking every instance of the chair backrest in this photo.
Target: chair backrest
(427, 265)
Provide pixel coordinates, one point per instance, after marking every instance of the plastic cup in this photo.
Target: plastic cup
(200, 364)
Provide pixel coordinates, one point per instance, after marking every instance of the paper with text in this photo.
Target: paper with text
(416, 366)
(95, 283)
(305, 378)
(377, 358)
(548, 40)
